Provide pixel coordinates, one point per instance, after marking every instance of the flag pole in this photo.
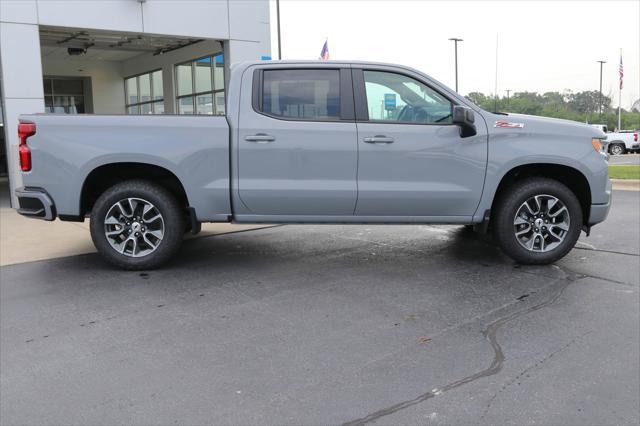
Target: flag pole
(620, 96)
(279, 39)
(495, 88)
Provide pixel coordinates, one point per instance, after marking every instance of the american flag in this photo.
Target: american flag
(324, 54)
(621, 71)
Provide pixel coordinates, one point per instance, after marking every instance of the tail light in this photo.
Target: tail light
(24, 131)
(635, 137)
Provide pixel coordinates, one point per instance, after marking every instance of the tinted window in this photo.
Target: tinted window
(395, 97)
(302, 94)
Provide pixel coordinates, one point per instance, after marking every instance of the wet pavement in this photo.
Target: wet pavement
(330, 325)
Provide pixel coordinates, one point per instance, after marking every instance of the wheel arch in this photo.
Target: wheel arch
(573, 178)
(106, 175)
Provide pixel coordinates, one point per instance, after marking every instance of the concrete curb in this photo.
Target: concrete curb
(626, 184)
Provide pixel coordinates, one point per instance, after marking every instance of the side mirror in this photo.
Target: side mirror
(464, 117)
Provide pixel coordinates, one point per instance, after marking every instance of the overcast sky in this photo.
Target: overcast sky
(542, 45)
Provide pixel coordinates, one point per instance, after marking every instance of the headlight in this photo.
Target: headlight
(600, 147)
(596, 144)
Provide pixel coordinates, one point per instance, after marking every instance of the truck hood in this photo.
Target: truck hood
(533, 124)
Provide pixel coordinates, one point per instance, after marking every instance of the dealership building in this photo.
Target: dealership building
(121, 57)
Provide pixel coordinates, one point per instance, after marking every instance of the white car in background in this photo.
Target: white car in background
(621, 142)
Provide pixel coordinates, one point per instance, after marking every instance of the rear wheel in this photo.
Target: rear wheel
(538, 221)
(137, 225)
(617, 149)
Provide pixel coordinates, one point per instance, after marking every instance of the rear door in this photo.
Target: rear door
(297, 145)
(412, 159)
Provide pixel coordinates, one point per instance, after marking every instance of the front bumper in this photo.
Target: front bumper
(599, 212)
(35, 203)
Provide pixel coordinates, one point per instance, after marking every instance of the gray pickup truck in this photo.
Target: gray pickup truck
(317, 142)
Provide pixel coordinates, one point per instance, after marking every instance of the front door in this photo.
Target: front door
(297, 152)
(412, 159)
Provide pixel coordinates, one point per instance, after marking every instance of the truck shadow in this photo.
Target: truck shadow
(297, 256)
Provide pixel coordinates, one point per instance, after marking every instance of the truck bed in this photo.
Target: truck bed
(67, 148)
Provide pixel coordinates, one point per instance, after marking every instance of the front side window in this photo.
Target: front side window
(395, 97)
(144, 93)
(301, 94)
(200, 86)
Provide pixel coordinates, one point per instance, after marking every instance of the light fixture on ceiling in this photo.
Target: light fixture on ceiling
(79, 51)
(76, 51)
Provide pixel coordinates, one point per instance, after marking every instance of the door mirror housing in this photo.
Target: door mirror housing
(465, 119)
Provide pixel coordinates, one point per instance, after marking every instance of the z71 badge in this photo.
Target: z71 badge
(507, 125)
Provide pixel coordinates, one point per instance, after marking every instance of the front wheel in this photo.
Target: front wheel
(137, 225)
(538, 221)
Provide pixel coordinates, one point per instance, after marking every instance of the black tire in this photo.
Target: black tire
(617, 149)
(510, 201)
(172, 216)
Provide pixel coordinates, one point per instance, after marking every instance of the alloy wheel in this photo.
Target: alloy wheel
(541, 223)
(134, 227)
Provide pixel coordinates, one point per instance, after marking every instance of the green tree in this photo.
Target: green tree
(580, 106)
(588, 102)
(553, 101)
(526, 103)
(477, 98)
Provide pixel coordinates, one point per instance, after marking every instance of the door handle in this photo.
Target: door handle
(378, 139)
(260, 138)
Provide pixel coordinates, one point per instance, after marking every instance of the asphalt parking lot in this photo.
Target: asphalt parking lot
(330, 325)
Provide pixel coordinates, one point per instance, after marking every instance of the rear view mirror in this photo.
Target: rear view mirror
(465, 119)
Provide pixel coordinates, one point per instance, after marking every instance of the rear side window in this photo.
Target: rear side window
(305, 94)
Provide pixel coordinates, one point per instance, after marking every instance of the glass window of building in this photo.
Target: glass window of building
(144, 93)
(200, 86)
(64, 95)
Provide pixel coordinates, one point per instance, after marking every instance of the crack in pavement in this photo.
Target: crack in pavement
(526, 370)
(582, 275)
(490, 333)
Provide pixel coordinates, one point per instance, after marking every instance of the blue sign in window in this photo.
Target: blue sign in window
(389, 101)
